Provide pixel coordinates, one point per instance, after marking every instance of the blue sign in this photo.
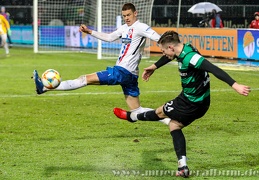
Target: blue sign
(22, 34)
(248, 44)
(52, 35)
(89, 41)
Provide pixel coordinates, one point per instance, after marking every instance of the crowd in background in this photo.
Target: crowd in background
(191, 2)
(16, 2)
(212, 19)
(22, 15)
(156, 2)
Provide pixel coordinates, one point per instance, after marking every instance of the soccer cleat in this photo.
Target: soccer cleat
(122, 114)
(183, 172)
(38, 83)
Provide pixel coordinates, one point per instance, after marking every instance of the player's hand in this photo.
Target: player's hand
(241, 89)
(148, 72)
(85, 29)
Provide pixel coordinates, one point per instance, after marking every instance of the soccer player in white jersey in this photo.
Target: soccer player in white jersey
(125, 73)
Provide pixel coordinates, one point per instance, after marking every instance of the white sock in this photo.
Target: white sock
(145, 109)
(6, 48)
(182, 162)
(133, 116)
(134, 113)
(72, 84)
(141, 109)
(165, 121)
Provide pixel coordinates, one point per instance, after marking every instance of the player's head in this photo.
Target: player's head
(256, 14)
(2, 9)
(129, 13)
(168, 42)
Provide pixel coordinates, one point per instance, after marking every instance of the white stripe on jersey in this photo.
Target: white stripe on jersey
(133, 44)
(195, 59)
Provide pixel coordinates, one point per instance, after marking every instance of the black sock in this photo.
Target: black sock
(179, 143)
(148, 116)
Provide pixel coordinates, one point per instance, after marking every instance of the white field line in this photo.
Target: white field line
(101, 93)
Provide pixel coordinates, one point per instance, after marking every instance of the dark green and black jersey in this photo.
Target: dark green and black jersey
(195, 81)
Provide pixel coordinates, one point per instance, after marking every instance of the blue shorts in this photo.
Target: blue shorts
(119, 76)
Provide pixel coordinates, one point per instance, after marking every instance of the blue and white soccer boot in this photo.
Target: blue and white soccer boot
(38, 83)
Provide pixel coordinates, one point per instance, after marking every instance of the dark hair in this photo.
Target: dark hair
(169, 37)
(128, 6)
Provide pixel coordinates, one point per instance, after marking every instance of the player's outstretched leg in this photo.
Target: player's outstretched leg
(38, 83)
(134, 116)
(123, 114)
(139, 110)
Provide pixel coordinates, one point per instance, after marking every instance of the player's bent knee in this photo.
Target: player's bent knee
(91, 79)
(175, 125)
(160, 112)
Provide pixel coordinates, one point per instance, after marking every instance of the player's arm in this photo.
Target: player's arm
(105, 36)
(7, 25)
(217, 72)
(100, 35)
(151, 69)
(148, 32)
(154, 36)
(162, 61)
(222, 75)
(8, 28)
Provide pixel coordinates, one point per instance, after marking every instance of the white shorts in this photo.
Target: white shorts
(4, 38)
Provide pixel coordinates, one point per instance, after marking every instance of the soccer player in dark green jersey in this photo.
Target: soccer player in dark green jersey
(194, 100)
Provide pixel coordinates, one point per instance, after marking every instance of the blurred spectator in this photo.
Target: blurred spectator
(216, 21)
(16, 2)
(205, 21)
(255, 23)
(7, 17)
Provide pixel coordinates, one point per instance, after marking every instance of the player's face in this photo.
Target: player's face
(168, 51)
(129, 17)
(257, 17)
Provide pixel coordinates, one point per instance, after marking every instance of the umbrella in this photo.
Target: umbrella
(203, 7)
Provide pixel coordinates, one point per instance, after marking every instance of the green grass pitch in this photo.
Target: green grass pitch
(74, 134)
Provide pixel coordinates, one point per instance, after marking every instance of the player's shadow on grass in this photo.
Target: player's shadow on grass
(152, 160)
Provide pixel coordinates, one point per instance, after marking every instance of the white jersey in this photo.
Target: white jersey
(133, 42)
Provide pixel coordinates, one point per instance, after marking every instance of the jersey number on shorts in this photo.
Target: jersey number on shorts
(168, 107)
